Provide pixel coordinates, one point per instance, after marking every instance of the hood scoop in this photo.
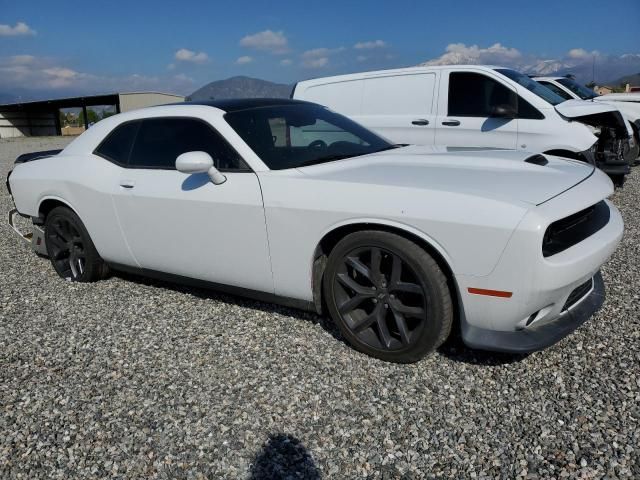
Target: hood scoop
(537, 159)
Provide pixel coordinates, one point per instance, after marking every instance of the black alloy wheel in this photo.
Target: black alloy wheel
(70, 249)
(388, 296)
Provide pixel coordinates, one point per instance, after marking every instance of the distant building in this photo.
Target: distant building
(602, 90)
(42, 118)
(629, 88)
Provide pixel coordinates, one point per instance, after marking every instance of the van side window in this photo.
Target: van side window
(474, 95)
(528, 111)
(161, 140)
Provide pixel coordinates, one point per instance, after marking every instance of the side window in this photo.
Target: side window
(117, 146)
(161, 140)
(557, 90)
(528, 111)
(294, 136)
(474, 95)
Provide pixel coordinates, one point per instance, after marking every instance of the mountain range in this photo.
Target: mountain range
(240, 87)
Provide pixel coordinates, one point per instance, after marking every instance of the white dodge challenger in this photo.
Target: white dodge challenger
(286, 200)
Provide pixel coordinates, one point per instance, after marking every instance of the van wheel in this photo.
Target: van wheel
(70, 249)
(388, 296)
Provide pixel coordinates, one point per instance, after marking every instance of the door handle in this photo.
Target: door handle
(451, 123)
(127, 183)
(421, 121)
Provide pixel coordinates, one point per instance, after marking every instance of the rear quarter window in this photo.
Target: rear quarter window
(116, 147)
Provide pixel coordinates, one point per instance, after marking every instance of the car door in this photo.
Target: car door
(184, 224)
(400, 107)
(466, 111)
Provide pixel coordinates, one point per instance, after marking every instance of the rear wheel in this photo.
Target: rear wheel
(70, 249)
(388, 296)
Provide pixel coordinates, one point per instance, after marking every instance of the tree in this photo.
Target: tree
(591, 85)
(92, 117)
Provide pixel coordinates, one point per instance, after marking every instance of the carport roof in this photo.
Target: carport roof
(69, 102)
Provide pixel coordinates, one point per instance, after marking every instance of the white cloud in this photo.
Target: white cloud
(318, 62)
(181, 77)
(186, 55)
(22, 59)
(244, 60)
(285, 62)
(318, 57)
(459, 53)
(578, 61)
(20, 28)
(267, 41)
(20, 72)
(370, 44)
(581, 53)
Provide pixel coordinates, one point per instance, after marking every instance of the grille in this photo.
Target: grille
(568, 231)
(577, 294)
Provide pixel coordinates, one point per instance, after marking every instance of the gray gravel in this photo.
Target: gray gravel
(129, 378)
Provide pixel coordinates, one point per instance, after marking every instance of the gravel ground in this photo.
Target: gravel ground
(129, 378)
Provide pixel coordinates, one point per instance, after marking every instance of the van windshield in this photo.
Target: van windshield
(531, 85)
(580, 90)
(292, 136)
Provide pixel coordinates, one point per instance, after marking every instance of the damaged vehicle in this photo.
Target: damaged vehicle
(627, 103)
(287, 201)
(477, 106)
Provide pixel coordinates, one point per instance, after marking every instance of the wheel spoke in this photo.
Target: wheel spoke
(349, 282)
(401, 323)
(376, 258)
(359, 267)
(352, 303)
(406, 287)
(383, 330)
(61, 254)
(367, 321)
(57, 241)
(58, 230)
(400, 307)
(396, 270)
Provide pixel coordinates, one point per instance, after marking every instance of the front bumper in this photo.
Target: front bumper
(538, 337)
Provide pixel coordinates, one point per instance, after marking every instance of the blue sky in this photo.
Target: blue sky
(179, 46)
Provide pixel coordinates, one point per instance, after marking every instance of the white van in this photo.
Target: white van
(477, 106)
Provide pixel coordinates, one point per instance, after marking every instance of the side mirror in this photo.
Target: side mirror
(199, 162)
(503, 111)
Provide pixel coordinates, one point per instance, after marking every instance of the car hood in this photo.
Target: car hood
(499, 174)
(619, 97)
(582, 108)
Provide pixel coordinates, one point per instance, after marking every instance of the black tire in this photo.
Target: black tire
(399, 311)
(70, 249)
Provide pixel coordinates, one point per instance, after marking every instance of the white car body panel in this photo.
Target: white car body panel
(484, 212)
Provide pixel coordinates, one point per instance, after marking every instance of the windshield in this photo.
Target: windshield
(580, 90)
(291, 136)
(540, 90)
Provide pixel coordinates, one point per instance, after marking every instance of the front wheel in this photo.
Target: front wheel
(388, 296)
(70, 249)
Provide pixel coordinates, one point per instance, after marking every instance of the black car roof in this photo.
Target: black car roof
(236, 104)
